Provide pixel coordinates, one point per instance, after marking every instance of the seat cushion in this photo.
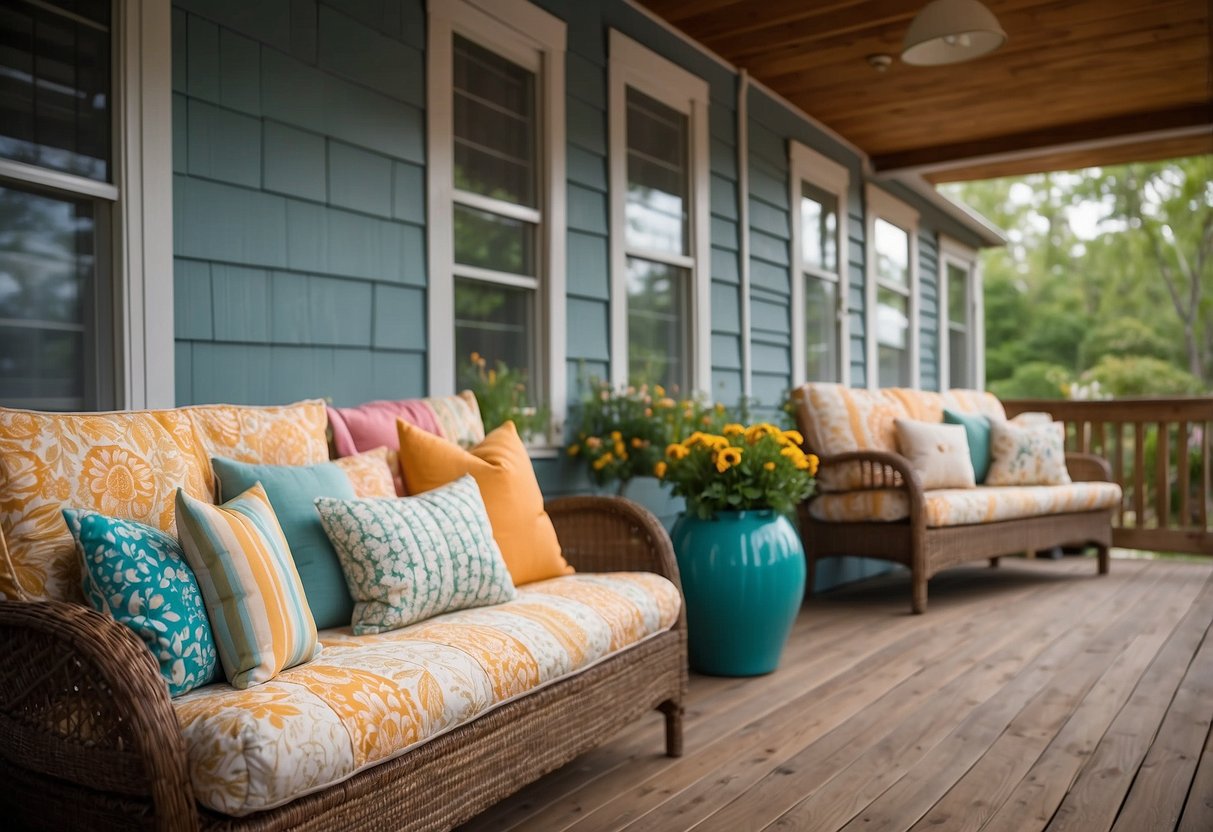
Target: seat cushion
(367, 699)
(967, 506)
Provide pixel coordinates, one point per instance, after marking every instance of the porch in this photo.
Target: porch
(1034, 696)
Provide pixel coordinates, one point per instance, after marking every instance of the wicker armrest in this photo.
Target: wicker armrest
(612, 534)
(1088, 468)
(82, 700)
(879, 468)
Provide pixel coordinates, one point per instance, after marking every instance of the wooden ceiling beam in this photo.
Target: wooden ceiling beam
(1101, 132)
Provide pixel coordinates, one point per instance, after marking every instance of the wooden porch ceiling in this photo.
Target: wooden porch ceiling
(1078, 83)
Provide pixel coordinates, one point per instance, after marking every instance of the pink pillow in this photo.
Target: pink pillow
(373, 425)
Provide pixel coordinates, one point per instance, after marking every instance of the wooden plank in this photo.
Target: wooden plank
(1206, 480)
(1185, 475)
(1071, 665)
(1198, 813)
(832, 773)
(1189, 541)
(1139, 475)
(1098, 445)
(1096, 795)
(989, 785)
(1118, 470)
(1162, 482)
(1156, 799)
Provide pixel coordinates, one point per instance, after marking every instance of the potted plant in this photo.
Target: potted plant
(501, 392)
(742, 563)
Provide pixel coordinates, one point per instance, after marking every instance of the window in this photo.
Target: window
(56, 98)
(85, 243)
(819, 316)
(497, 193)
(659, 213)
(892, 284)
(960, 355)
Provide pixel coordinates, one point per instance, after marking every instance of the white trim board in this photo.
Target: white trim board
(531, 37)
(633, 65)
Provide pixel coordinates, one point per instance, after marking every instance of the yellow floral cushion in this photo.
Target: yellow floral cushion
(126, 465)
(836, 419)
(967, 506)
(367, 699)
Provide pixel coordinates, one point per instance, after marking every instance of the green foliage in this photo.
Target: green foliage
(501, 393)
(740, 469)
(1123, 337)
(1033, 380)
(1123, 376)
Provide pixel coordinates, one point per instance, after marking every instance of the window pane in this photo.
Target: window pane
(658, 179)
(46, 301)
(55, 88)
(491, 241)
(892, 337)
(821, 330)
(958, 294)
(819, 228)
(958, 359)
(892, 253)
(497, 322)
(658, 308)
(495, 147)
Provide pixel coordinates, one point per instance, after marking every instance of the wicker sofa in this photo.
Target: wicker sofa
(871, 502)
(90, 739)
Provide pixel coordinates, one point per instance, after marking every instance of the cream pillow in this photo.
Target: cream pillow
(938, 452)
(1033, 454)
(1032, 418)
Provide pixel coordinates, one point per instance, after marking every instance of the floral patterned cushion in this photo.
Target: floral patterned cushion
(411, 558)
(367, 699)
(1033, 454)
(836, 419)
(138, 575)
(967, 506)
(127, 465)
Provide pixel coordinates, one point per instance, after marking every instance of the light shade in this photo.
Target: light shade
(951, 31)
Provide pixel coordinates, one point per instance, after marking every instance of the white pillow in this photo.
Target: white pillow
(938, 452)
(1033, 454)
(1030, 418)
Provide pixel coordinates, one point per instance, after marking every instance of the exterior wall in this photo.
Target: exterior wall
(299, 211)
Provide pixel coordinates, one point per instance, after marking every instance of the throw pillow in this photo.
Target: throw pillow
(372, 473)
(291, 490)
(977, 432)
(502, 469)
(1028, 455)
(412, 558)
(138, 575)
(1033, 417)
(939, 453)
(258, 610)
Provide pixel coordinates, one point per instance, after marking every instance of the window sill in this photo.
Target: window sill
(543, 452)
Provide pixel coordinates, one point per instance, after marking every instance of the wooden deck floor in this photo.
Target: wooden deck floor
(1033, 697)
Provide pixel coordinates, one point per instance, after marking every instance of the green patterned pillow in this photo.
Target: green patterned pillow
(412, 558)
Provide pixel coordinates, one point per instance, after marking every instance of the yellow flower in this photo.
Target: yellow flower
(574, 450)
(616, 435)
(593, 443)
(768, 466)
(813, 463)
(792, 452)
(658, 391)
(659, 469)
(755, 432)
(720, 408)
(677, 451)
(727, 458)
(794, 436)
(666, 403)
(620, 451)
(603, 461)
(734, 429)
(801, 464)
(492, 376)
(637, 442)
(476, 359)
(706, 420)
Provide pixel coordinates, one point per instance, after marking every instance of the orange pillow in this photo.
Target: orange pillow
(501, 467)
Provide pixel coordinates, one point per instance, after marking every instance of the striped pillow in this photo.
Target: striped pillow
(258, 611)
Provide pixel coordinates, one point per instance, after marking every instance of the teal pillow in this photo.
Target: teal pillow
(977, 429)
(292, 491)
(138, 575)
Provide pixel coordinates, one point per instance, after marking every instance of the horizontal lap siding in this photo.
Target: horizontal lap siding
(299, 200)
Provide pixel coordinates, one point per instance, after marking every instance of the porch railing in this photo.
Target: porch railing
(1159, 450)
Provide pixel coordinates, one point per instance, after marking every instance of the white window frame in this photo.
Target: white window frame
(525, 34)
(141, 199)
(809, 166)
(956, 253)
(632, 65)
(883, 205)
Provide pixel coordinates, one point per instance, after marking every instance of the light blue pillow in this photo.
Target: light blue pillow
(977, 431)
(138, 575)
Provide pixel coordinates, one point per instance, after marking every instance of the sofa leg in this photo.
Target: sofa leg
(673, 727)
(994, 562)
(1104, 555)
(919, 588)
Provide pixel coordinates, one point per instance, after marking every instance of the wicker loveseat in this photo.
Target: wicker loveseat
(90, 738)
(871, 502)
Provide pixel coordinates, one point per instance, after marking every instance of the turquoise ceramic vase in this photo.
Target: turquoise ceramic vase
(743, 575)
